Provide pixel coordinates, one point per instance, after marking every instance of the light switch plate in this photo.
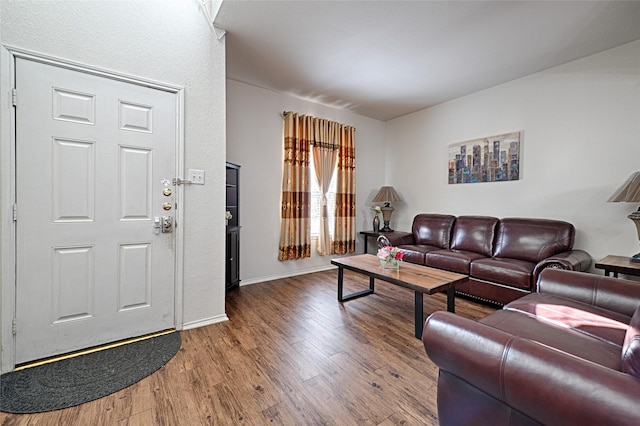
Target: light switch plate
(196, 176)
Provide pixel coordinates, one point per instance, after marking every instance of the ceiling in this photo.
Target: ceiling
(385, 59)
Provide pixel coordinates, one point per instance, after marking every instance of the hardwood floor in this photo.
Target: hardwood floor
(292, 355)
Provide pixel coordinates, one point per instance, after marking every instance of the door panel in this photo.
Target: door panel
(73, 180)
(73, 284)
(135, 186)
(93, 155)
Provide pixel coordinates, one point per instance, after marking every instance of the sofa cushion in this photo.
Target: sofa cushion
(631, 347)
(433, 230)
(511, 272)
(590, 320)
(532, 239)
(474, 234)
(557, 337)
(452, 260)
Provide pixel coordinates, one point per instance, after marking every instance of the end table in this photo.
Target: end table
(376, 234)
(618, 264)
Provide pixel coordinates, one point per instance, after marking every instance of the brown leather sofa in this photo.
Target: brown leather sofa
(568, 354)
(503, 257)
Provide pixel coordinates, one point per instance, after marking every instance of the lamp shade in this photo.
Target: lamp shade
(386, 195)
(629, 191)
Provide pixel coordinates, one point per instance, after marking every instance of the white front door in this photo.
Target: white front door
(95, 157)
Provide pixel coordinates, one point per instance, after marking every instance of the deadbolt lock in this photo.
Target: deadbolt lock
(167, 192)
(167, 206)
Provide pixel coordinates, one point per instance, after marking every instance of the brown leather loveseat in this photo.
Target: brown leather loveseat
(568, 354)
(503, 257)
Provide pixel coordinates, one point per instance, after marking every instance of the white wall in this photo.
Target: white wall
(255, 141)
(168, 41)
(581, 124)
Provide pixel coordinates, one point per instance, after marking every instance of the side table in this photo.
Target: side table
(375, 234)
(618, 264)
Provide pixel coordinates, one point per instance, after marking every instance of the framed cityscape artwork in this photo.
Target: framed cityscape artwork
(491, 159)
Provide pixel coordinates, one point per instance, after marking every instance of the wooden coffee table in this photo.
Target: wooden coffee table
(421, 279)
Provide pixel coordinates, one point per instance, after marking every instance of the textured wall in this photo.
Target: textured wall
(581, 124)
(165, 41)
(259, 149)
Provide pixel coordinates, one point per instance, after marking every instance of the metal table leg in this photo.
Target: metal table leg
(343, 298)
(451, 299)
(419, 315)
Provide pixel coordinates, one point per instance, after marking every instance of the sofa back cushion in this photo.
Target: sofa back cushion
(532, 239)
(631, 347)
(474, 233)
(433, 229)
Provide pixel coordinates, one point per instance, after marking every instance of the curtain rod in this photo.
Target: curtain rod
(284, 114)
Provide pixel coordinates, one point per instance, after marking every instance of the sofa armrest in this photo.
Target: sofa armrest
(572, 260)
(615, 294)
(546, 385)
(400, 238)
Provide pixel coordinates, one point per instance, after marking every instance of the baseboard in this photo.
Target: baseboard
(291, 274)
(221, 318)
(205, 321)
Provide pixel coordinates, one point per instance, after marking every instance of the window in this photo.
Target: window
(315, 201)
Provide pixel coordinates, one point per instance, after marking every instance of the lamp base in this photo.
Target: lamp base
(635, 258)
(386, 228)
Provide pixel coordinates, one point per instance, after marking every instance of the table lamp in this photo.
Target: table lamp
(630, 192)
(386, 195)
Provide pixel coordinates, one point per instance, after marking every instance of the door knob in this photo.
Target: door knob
(167, 224)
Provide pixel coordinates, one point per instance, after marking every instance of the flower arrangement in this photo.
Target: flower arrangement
(228, 215)
(389, 256)
(376, 210)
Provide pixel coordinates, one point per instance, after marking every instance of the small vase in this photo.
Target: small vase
(389, 264)
(376, 223)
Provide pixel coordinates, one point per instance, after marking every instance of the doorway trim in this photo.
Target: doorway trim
(8, 56)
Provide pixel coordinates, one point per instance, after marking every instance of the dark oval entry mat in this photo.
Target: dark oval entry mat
(84, 378)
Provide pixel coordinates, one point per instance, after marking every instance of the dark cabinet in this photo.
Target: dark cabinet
(233, 257)
(232, 266)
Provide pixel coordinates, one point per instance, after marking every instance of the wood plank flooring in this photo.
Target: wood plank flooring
(291, 355)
